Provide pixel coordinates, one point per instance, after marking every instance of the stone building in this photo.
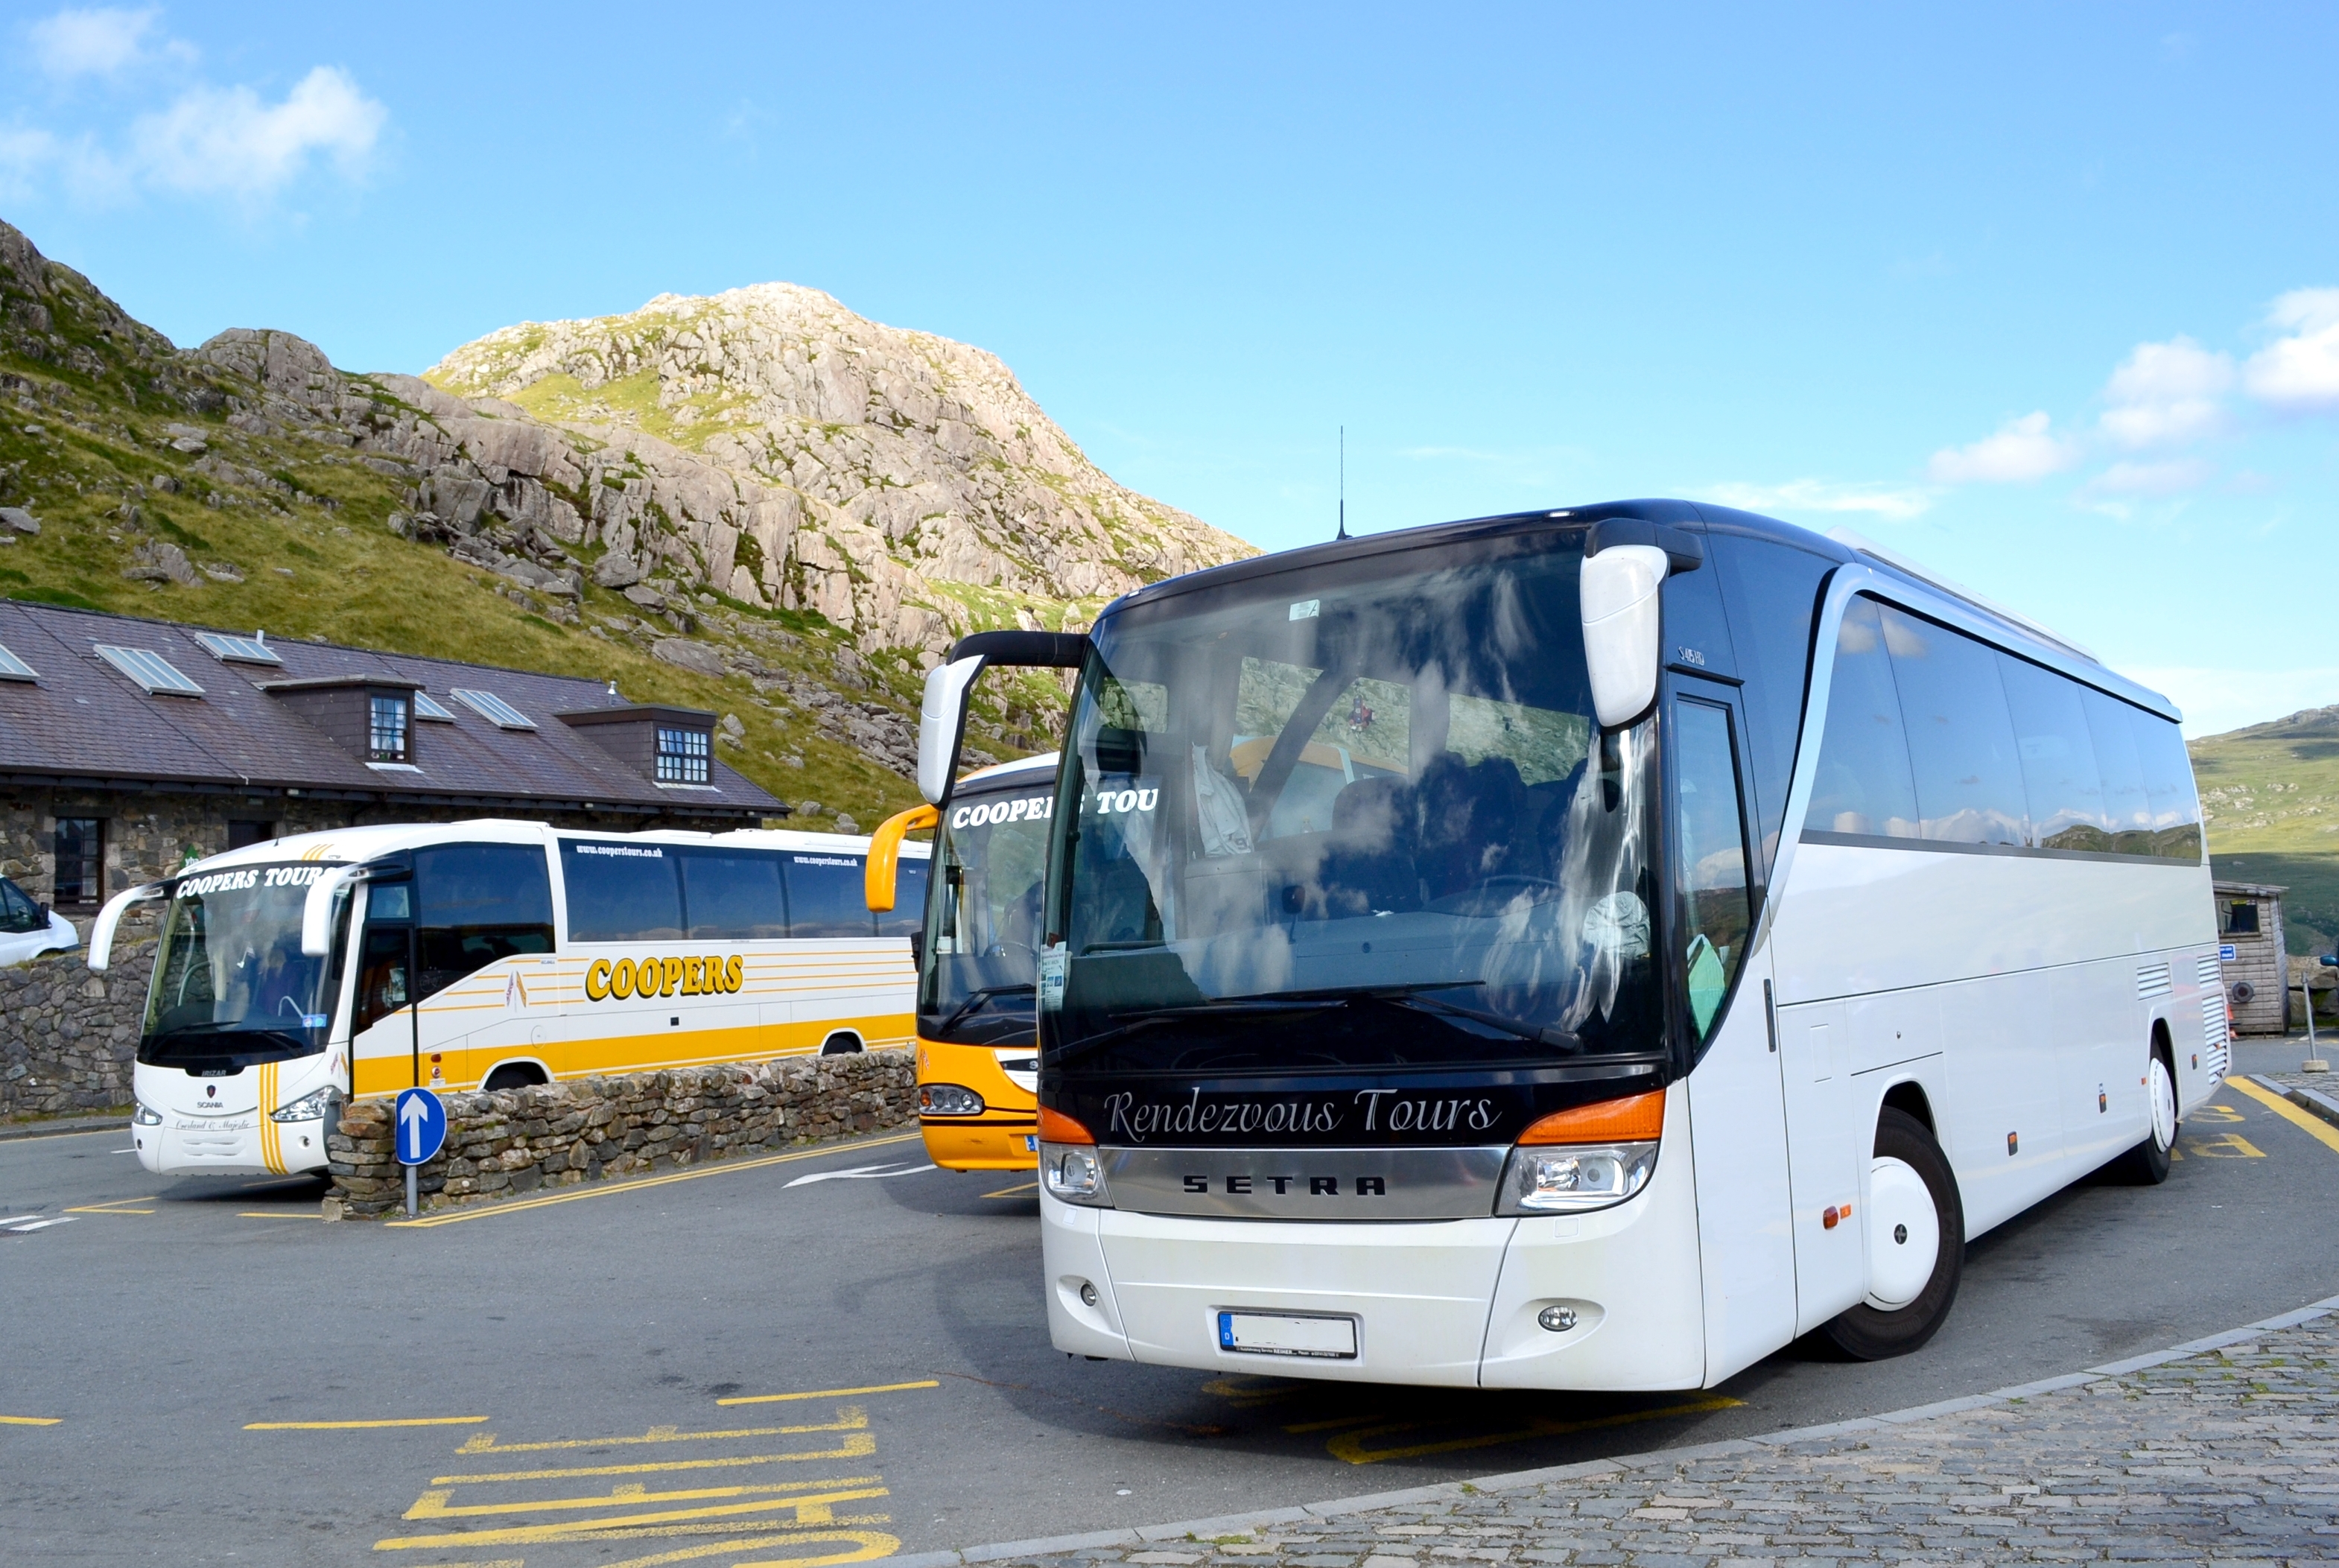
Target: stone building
(2250, 946)
(129, 745)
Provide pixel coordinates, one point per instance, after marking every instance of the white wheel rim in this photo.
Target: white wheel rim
(1904, 1234)
(2163, 1105)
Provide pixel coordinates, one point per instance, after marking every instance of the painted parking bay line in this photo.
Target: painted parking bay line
(2321, 1131)
(859, 1173)
(360, 1425)
(37, 1224)
(488, 1442)
(830, 1393)
(116, 1206)
(613, 1189)
(30, 1420)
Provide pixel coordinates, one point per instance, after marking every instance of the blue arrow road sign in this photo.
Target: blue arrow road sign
(421, 1123)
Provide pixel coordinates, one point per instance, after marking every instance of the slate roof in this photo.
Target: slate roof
(85, 722)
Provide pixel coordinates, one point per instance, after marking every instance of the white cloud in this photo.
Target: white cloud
(2020, 451)
(99, 42)
(1820, 496)
(2167, 478)
(2300, 370)
(226, 139)
(2166, 393)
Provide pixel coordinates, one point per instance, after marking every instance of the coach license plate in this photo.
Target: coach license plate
(1030, 1143)
(1274, 1334)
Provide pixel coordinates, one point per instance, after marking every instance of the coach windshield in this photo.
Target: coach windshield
(231, 986)
(1352, 817)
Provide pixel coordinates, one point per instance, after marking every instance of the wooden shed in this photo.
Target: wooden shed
(2249, 939)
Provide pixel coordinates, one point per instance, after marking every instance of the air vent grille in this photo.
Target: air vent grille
(2152, 979)
(2211, 972)
(2213, 1020)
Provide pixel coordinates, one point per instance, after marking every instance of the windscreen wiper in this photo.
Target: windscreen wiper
(976, 998)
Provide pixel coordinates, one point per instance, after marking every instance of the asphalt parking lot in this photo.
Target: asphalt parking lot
(838, 1354)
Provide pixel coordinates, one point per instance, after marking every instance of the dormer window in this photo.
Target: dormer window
(682, 755)
(386, 730)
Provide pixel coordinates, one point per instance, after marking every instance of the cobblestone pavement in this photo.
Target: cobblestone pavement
(2226, 1455)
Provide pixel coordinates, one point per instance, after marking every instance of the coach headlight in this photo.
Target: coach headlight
(948, 1100)
(1070, 1167)
(309, 1107)
(146, 1114)
(1592, 1156)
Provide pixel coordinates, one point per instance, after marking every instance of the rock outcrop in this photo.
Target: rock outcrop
(772, 444)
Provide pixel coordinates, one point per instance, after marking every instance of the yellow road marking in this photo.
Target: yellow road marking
(115, 1207)
(1350, 1445)
(353, 1426)
(30, 1420)
(2225, 1146)
(872, 1543)
(2320, 1129)
(828, 1392)
(277, 1214)
(858, 1446)
(1011, 1191)
(815, 1508)
(611, 1188)
(433, 1504)
(1336, 1420)
(485, 1441)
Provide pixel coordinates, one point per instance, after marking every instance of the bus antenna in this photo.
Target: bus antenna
(1344, 485)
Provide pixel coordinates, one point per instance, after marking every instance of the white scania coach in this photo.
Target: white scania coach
(1693, 930)
(295, 974)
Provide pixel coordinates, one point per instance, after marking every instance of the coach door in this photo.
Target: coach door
(1737, 1114)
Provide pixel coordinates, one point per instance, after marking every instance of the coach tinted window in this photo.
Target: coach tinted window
(733, 895)
(825, 896)
(1864, 785)
(2058, 757)
(478, 903)
(1772, 591)
(2128, 807)
(1960, 738)
(2168, 785)
(908, 915)
(621, 891)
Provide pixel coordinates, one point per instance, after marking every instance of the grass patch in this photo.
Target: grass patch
(69, 599)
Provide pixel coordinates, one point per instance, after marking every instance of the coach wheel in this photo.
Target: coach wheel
(2146, 1164)
(840, 1044)
(1916, 1245)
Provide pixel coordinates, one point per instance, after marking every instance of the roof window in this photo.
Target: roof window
(228, 649)
(682, 755)
(493, 709)
(12, 668)
(426, 708)
(149, 669)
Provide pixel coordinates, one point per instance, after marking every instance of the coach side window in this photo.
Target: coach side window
(2167, 787)
(478, 903)
(620, 891)
(1960, 740)
(2127, 808)
(733, 895)
(1864, 785)
(2058, 758)
(826, 898)
(1710, 858)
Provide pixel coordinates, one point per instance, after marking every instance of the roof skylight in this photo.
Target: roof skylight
(493, 709)
(12, 668)
(149, 669)
(426, 707)
(229, 649)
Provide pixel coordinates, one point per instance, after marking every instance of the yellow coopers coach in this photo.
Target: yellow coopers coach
(977, 1046)
(293, 974)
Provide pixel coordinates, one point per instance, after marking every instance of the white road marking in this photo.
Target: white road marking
(859, 1173)
(124, 1151)
(37, 1225)
(18, 1219)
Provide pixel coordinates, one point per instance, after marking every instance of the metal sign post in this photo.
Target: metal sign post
(418, 1126)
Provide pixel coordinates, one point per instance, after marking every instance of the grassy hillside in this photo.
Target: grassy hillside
(2271, 795)
(306, 529)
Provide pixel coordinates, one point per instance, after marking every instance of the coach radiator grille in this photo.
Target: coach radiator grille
(2152, 981)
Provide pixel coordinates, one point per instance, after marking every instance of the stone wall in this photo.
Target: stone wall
(515, 1142)
(67, 1037)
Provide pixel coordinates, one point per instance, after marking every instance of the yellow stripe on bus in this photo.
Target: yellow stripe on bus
(636, 1052)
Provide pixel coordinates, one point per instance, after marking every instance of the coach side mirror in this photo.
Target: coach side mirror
(1618, 595)
(882, 870)
(942, 716)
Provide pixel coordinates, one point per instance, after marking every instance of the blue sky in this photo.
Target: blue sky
(2048, 297)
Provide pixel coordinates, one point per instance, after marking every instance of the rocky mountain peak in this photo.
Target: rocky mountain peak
(901, 484)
